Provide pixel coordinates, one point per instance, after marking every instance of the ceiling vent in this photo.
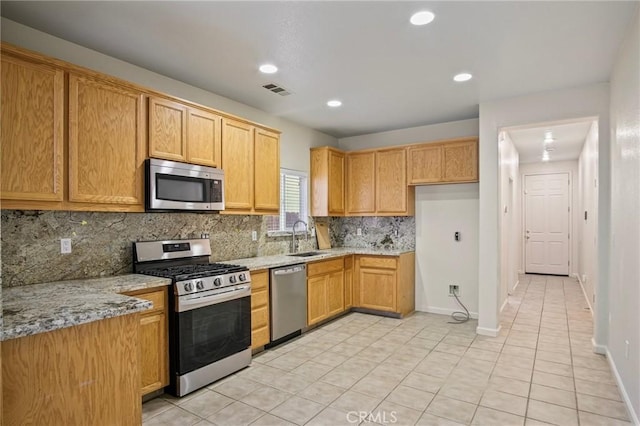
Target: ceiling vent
(277, 89)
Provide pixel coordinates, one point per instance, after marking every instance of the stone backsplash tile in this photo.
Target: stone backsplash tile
(390, 233)
(101, 242)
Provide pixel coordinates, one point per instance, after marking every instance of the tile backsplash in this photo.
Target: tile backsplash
(101, 242)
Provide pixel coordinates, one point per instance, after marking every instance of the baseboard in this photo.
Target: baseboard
(623, 391)
(492, 332)
(599, 349)
(504, 304)
(515, 286)
(445, 311)
(584, 293)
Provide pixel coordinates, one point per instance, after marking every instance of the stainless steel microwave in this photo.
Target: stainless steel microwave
(171, 185)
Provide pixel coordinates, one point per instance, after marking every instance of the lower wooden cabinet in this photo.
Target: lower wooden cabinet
(348, 282)
(325, 289)
(385, 283)
(154, 351)
(260, 334)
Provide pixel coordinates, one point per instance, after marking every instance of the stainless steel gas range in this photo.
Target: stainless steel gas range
(210, 311)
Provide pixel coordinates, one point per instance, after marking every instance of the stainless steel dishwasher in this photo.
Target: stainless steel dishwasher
(288, 300)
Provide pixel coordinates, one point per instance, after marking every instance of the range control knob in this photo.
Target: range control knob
(217, 282)
(242, 277)
(188, 286)
(232, 279)
(199, 285)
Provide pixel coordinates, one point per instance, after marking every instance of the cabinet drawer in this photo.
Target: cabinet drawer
(259, 318)
(259, 280)
(157, 297)
(259, 299)
(378, 262)
(325, 266)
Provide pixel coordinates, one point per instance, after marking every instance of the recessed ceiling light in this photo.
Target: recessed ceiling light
(422, 18)
(545, 156)
(334, 103)
(268, 68)
(463, 76)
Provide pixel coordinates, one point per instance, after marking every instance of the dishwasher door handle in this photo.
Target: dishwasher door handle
(289, 271)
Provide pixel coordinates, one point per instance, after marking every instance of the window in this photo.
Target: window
(293, 201)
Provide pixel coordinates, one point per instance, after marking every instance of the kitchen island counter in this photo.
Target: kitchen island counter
(39, 308)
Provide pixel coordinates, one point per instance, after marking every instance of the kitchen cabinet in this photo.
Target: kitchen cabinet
(180, 132)
(385, 283)
(361, 183)
(106, 144)
(348, 282)
(32, 144)
(154, 352)
(327, 182)
(251, 162)
(260, 334)
(88, 374)
(377, 183)
(325, 289)
(453, 161)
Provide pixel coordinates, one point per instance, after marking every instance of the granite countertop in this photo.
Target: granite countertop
(266, 262)
(39, 308)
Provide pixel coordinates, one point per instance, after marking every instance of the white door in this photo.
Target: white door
(547, 223)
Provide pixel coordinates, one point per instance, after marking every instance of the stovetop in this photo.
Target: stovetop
(187, 272)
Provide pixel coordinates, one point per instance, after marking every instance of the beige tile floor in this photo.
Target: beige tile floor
(422, 370)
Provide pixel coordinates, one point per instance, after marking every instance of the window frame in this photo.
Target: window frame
(304, 200)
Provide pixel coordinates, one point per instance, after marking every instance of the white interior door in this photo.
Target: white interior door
(547, 223)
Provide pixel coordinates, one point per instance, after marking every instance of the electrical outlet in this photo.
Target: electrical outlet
(358, 231)
(454, 289)
(254, 235)
(65, 245)
(626, 349)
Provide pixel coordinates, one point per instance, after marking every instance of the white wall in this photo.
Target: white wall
(433, 132)
(624, 288)
(570, 167)
(588, 229)
(442, 210)
(295, 140)
(509, 215)
(574, 103)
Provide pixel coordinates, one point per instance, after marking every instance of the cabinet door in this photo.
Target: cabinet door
(167, 129)
(32, 114)
(348, 282)
(425, 164)
(106, 142)
(267, 171)
(335, 293)
(460, 161)
(336, 183)
(391, 181)
(316, 299)
(203, 138)
(153, 348)
(237, 162)
(361, 183)
(377, 289)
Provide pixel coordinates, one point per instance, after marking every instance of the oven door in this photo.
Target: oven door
(210, 333)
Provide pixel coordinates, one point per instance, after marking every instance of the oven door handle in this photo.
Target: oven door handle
(188, 305)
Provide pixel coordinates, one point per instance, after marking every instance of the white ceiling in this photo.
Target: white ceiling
(388, 73)
(568, 143)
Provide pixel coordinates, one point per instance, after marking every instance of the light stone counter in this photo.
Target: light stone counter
(266, 262)
(40, 308)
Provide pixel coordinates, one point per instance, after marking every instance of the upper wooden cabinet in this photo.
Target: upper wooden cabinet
(180, 132)
(361, 183)
(444, 162)
(106, 142)
(377, 183)
(251, 163)
(32, 143)
(327, 182)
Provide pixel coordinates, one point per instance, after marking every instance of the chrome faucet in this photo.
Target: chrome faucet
(294, 245)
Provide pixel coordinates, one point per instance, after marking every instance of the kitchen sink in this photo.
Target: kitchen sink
(305, 254)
